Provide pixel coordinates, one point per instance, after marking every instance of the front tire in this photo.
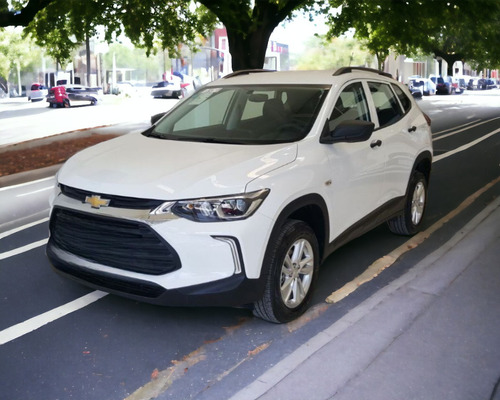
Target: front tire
(408, 223)
(291, 266)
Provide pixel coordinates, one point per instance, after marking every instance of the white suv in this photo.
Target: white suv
(238, 193)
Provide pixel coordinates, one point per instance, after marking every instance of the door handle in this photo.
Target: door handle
(412, 129)
(376, 143)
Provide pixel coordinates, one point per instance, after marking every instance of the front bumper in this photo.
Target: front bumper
(126, 251)
(236, 290)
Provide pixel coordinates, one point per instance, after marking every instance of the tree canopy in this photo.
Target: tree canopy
(154, 24)
(454, 30)
(466, 30)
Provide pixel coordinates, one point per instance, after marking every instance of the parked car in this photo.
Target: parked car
(67, 95)
(170, 88)
(462, 85)
(486, 84)
(424, 85)
(37, 92)
(189, 84)
(444, 85)
(472, 83)
(416, 87)
(238, 193)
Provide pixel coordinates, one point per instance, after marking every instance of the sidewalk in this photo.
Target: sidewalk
(432, 334)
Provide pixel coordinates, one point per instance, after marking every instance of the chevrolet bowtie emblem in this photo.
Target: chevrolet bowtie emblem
(96, 201)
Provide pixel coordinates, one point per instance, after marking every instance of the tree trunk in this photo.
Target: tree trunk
(450, 60)
(249, 29)
(19, 85)
(248, 51)
(87, 51)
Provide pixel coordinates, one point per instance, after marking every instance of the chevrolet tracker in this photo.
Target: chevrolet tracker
(236, 195)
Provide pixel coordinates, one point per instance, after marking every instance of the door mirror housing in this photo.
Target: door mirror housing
(155, 118)
(348, 132)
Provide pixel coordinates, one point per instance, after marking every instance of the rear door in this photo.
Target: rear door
(397, 126)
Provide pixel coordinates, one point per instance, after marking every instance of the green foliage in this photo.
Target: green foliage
(465, 30)
(146, 68)
(332, 54)
(157, 24)
(152, 24)
(14, 50)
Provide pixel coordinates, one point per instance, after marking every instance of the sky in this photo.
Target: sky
(298, 32)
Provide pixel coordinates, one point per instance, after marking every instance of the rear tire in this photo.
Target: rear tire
(408, 223)
(291, 266)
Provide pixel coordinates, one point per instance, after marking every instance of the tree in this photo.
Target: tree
(14, 54)
(331, 54)
(169, 21)
(454, 30)
(52, 31)
(249, 29)
(20, 13)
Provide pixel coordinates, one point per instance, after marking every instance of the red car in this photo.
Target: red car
(57, 97)
(65, 96)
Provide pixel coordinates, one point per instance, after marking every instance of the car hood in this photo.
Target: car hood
(138, 166)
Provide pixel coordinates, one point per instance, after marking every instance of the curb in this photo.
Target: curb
(273, 376)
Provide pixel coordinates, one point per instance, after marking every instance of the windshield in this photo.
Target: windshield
(243, 115)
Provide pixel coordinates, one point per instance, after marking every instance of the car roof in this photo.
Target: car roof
(312, 77)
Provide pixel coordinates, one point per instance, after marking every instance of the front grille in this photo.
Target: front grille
(118, 243)
(111, 282)
(114, 201)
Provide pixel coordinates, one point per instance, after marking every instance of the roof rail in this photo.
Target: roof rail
(246, 72)
(346, 70)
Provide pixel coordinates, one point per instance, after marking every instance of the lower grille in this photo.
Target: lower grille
(120, 284)
(118, 243)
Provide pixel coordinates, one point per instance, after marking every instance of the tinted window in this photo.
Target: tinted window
(403, 98)
(386, 104)
(351, 105)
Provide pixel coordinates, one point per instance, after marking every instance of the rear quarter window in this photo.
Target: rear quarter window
(403, 98)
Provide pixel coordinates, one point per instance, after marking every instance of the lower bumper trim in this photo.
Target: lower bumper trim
(236, 290)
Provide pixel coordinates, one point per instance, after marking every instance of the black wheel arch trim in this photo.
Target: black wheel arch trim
(423, 163)
(311, 209)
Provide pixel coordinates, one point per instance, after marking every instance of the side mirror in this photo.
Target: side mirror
(156, 117)
(347, 131)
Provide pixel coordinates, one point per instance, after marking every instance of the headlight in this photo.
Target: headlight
(213, 209)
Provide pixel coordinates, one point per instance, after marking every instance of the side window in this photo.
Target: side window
(386, 104)
(403, 98)
(351, 105)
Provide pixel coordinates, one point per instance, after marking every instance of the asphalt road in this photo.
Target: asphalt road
(23, 120)
(60, 340)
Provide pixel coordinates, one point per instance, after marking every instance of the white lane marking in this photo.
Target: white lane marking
(23, 249)
(34, 323)
(22, 228)
(26, 184)
(456, 127)
(386, 261)
(461, 130)
(36, 191)
(464, 147)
